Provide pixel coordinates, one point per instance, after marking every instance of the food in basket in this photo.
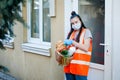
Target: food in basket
(64, 53)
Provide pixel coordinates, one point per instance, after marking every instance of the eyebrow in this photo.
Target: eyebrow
(74, 22)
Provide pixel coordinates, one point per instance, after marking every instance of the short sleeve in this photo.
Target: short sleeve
(88, 34)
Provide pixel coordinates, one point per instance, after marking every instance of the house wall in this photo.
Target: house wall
(57, 34)
(13, 59)
(30, 66)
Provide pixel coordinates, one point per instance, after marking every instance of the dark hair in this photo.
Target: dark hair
(73, 15)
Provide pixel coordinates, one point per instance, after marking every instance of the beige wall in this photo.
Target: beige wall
(13, 59)
(29, 66)
(57, 34)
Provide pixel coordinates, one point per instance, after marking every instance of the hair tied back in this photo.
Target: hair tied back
(73, 13)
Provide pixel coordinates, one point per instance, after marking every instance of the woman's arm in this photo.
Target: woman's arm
(84, 46)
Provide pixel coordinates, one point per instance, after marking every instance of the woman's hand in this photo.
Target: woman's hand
(68, 42)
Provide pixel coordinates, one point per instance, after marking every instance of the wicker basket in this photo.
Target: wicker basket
(62, 60)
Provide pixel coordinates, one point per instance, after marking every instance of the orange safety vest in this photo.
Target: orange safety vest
(80, 62)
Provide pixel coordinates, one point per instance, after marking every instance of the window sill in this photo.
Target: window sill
(9, 45)
(36, 48)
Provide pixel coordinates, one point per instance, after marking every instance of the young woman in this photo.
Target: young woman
(81, 38)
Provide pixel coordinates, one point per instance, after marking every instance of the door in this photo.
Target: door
(96, 15)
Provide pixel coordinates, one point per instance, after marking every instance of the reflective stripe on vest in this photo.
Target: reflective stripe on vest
(79, 64)
(83, 52)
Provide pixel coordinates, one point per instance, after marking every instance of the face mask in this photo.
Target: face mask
(76, 26)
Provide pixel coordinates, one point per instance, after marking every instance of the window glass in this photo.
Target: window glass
(39, 21)
(92, 13)
(46, 21)
(35, 19)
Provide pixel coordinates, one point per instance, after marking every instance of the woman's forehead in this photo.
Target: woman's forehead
(74, 19)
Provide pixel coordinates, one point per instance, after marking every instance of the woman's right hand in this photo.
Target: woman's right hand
(68, 42)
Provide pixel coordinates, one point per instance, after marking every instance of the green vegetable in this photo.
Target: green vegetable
(64, 52)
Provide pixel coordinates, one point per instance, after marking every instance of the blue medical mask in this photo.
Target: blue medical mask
(76, 26)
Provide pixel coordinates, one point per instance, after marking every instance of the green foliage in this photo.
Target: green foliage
(9, 12)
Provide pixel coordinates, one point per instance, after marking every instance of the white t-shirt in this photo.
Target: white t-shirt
(88, 34)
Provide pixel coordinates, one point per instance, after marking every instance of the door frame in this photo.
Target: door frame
(108, 40)
(71, 5)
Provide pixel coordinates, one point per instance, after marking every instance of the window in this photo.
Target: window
(92, 14)
(39, 22)
(39, 29)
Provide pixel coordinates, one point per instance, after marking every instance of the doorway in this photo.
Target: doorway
(96, 16)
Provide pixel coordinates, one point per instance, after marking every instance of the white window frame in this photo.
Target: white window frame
(36, 45)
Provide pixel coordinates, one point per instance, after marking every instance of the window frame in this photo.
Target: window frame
(33, 45)
(40, 39)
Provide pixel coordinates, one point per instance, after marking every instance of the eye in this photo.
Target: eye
(76, 22)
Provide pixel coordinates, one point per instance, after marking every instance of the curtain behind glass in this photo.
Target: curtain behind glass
(35, 18)
(46, 22)
(92, 14)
